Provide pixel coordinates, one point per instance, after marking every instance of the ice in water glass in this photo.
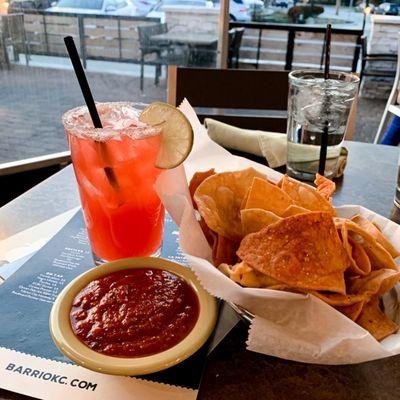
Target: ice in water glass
(313, 103)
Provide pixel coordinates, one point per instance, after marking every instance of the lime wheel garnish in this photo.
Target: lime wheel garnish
(177, 133)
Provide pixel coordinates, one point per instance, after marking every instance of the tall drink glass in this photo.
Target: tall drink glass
(114, 167)
(314, 102)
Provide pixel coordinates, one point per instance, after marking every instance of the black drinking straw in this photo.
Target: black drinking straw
(324, 137)
(91, 105)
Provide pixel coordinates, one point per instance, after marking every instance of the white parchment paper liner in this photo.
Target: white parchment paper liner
(287, 325)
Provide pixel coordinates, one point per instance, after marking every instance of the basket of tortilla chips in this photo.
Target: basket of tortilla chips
(288, 237)
(320, 282)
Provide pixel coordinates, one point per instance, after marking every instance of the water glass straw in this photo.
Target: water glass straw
(324, 137)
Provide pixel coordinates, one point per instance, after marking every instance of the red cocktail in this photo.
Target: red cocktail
(115, 170)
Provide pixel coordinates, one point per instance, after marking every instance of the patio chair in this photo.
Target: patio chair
(244, 98)
(235, 41)
(393, 103)
(204, 56)
(235, 96)
(370, 66)
(163, 54)
(13, 34)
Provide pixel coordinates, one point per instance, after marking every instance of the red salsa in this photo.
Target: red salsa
(134, 312)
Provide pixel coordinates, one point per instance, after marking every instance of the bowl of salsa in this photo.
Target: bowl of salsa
(133, 316)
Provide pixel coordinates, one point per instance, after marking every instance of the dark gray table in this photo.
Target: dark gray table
(232, 372)
(191, 39)
(370, 177)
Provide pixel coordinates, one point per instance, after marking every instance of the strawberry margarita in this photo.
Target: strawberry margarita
(115, 170)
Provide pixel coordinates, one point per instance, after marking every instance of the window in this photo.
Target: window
(89, 4)
(198, 3)
(37, 83)
(121, 4)
(110, 5)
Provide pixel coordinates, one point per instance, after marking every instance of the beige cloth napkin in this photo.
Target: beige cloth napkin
(271, 145)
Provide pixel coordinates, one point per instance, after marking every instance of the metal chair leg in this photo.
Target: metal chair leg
(7, 59)
(141, 73)
(27, 53)
(157, 75)
(27, 48)
(363, 64)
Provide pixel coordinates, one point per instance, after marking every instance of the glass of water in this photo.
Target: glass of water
(315, 104)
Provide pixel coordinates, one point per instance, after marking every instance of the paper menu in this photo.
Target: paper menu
(25, 343)
(27, 242)
(49, 379)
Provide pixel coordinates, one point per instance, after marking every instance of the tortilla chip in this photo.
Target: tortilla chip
(223, 251)
(360, 256)
(339, 222)
(219, 198)
(379, 257)
(375, 321)
(352, 311)
(376, 283)
(196, 180)
(335, 299)
(374, 231)
(359, 261)
(247, 276)
(305, 196)
(244, 201)
(267, 196)
(208, 233)
(255, 219)
(325, 186)
(294, 210)
(284, 288)
(303, 251)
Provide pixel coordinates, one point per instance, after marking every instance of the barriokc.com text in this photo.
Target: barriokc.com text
(48, 376)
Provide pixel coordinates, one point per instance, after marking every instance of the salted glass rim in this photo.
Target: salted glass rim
(73, 127)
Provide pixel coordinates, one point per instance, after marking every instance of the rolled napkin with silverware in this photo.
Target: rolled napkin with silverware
(270, 145)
